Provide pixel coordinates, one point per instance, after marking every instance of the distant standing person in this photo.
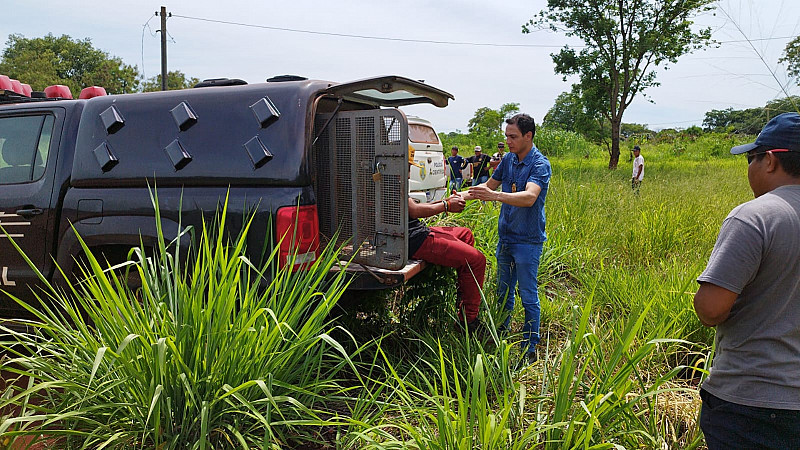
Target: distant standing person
(638, 169)
(456, 163)
(750, 291)
(524, 177)
(497, 157)
(480, 166)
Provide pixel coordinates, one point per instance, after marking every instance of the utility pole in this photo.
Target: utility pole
(163, 48)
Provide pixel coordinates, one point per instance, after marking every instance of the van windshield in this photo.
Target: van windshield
(422, 134)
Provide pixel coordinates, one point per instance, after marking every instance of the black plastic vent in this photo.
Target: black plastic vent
(112, 119)
(258, 152)
(178, 155)
(212, 82)
(184, 116)
(105, 157)
(280, 78)
(265, 111)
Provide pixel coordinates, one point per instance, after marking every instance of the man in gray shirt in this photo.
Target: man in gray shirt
(750, 291)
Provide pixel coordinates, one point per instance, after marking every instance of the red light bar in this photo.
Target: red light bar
(57, 91)
(16, 86)
(5, 83)
(26, 89)
(92, 91)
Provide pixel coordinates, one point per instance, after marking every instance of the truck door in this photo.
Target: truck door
(25, 193)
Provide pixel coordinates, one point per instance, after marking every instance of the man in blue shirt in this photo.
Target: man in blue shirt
(524, 174)
(456, 163)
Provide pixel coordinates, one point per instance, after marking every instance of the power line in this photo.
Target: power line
(419, 41)
(360, 36)
(146, 25)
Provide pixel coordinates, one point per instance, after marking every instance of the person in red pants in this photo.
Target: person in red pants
(449, 247)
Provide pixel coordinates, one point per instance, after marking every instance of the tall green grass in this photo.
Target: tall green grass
(215, 353)
(210, 353)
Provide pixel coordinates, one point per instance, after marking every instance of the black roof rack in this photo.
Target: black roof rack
(7, 97)
(220, 82)
(286, 78)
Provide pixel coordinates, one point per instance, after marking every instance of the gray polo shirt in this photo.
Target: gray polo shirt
(757, 255)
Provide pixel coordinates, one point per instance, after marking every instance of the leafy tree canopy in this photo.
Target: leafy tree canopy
(175, 80)
(50, 60)
(625, 41)
(571, 112)
(751, 120)
(791, 57)
(486, 126)
(631, 129)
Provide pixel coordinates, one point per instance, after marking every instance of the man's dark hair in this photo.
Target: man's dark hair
(524, 122)
(789, 161)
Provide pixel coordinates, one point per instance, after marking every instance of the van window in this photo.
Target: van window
(422, 134)
(24, 146)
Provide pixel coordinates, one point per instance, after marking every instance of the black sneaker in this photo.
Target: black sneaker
(478, 329)
(528, 359)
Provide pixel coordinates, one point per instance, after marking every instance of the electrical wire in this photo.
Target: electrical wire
(420, 41)
(146, 25)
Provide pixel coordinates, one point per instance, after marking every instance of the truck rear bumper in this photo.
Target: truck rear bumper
(367, 278)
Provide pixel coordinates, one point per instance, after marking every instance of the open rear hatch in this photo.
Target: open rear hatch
(361, 181)
(390, 91)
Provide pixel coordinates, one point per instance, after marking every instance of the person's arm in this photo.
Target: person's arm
(490, 184)
(455, 204)
(713, 304)
(486, 191)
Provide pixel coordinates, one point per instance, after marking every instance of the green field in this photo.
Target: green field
(218, 363)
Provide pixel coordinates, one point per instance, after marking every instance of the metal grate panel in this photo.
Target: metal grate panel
(369, 211)
(343, 185)
(365, 159)
(391, 194)
(392, 130)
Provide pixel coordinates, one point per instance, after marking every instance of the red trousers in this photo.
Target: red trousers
(455, 247)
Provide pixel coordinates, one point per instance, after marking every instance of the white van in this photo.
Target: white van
(429, 183)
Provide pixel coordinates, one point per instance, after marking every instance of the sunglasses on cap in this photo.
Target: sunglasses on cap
(751, 156)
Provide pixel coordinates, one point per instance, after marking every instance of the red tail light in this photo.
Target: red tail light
(92, 91)
(57, 91)
(298, 231)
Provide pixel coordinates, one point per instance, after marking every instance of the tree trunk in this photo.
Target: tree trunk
(613, 161)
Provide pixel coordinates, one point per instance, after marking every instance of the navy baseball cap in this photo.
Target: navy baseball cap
(782, 131)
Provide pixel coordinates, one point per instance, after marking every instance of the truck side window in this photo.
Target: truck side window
(24, 146)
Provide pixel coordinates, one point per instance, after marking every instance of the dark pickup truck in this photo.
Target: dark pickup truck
(306, 157)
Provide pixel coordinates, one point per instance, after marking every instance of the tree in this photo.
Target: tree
(751, 120)
(791, 57)
(175, 80)
(486, 126)
(49, 60)
(625, 41)
(570, 112)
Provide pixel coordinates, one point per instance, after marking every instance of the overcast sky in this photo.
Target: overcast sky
(731, 75)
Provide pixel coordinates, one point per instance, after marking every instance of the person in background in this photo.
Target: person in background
(449, 247)
(480, 166)
(501, 151)
(750, 291)
(524, 177)
(638, 169)
(456, 163)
